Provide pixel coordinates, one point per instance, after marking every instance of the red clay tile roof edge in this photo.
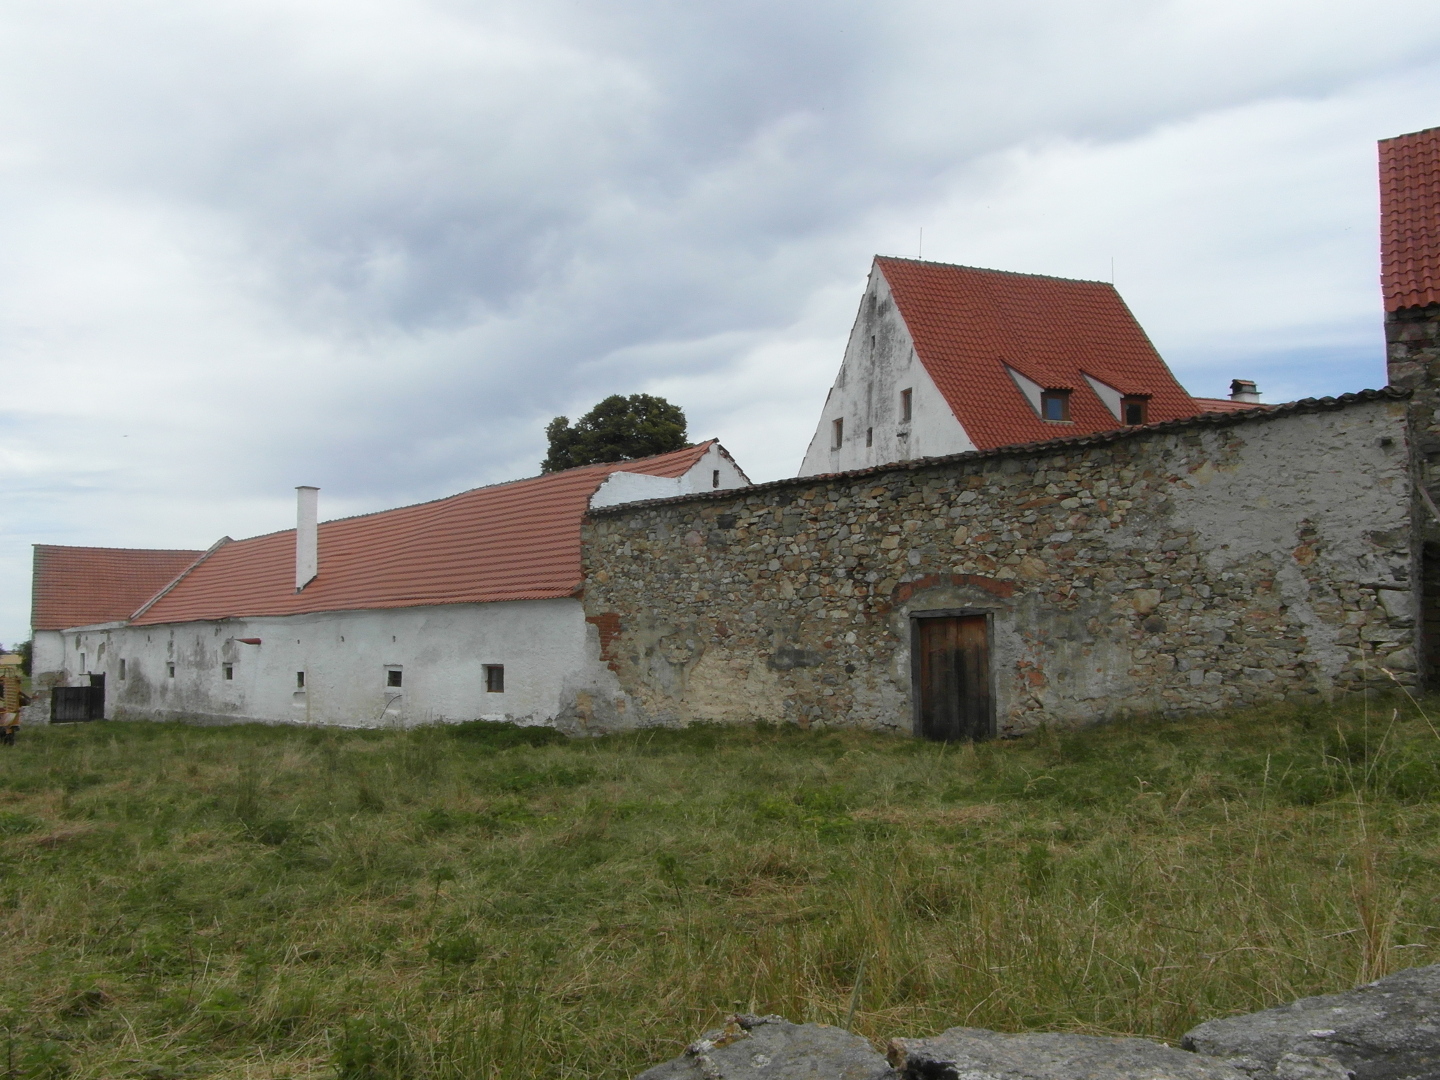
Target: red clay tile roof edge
(1212, 419)
(1409, 168)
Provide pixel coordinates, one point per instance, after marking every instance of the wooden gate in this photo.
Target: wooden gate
(74, 704)
(952, 677)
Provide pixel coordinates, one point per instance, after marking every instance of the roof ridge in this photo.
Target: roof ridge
(101, 547)
(481, 487)
(1410, 134)
(992, 270)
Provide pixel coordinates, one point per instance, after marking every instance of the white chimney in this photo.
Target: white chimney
(1244, 390)
(307, 535)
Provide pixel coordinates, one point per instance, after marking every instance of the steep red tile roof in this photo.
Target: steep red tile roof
(1410, 219)
(968, 324)
(516, 541)
(78, 586)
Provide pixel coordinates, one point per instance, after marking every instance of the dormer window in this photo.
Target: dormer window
(1055, 405)
(1135, 410)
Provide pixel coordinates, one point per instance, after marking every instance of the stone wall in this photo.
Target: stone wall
(1188, 566)
(1412, 338)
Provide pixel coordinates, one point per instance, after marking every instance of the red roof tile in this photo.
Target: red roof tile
(1410, 219)
(968, 324)
(1220, 404)
(78, 586)
(516, 541)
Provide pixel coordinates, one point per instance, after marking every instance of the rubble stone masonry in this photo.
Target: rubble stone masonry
(1184, 567)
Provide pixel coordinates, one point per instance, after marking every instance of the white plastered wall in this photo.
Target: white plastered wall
(442, 650)
(715, 471)
(880, 362)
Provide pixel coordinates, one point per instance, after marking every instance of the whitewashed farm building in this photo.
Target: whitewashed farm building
(463, 608)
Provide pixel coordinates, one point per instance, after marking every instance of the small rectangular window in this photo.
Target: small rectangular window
(1055, 405)
(83, 662)
(300, 679)
(122, 668)
(393, 677)
(714, 478)
(170, 670)
(227, 671)
(838, 430)
(869, 436)
(494, 678)
(905, 405)
(1135, 410)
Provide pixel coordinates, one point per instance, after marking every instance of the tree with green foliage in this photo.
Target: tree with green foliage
(617, 429)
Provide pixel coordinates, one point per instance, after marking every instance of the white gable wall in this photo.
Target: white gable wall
(880, 362)
(623, 487)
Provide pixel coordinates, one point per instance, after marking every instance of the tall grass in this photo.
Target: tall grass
(482, 901)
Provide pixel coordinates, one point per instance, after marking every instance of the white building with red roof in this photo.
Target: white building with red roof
(463, 608)
(946, 359)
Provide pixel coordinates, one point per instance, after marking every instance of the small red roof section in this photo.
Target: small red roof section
(1220, 404)
(516, 541)
(80, 586)
(1410, 219)
(969, 324)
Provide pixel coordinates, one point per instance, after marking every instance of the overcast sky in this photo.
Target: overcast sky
(377, 245)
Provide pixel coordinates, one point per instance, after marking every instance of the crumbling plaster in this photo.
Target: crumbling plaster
(1178, 568)
(550, 655)
(880, 361)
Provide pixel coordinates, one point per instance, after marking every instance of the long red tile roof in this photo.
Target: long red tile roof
(79, 586)
(968, 324)
(515, 541)
(1410, 219)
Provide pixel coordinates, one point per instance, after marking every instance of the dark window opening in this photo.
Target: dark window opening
(839, 433)
(869, 436)
(122, 669)
(227, 670)
(1055, 404)
(1135, 410)
(1430, 615)
(905, 405)
(393, 677)
(170, 670)
(494, 678)
(714, 478)
(300, 679)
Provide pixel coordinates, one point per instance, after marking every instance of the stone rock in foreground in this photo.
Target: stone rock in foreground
(976, 1054)
(1388, 1030)
(772, 1048)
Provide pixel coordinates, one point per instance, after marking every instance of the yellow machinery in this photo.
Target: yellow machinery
(10, 676)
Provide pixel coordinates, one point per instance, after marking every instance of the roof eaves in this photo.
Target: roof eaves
(1099, 438)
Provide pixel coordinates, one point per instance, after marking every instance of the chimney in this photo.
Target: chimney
(307, 535)
(1244, 390)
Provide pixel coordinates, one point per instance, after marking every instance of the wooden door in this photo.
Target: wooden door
(954, 682)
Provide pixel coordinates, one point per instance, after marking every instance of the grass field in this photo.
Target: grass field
(481, 901)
